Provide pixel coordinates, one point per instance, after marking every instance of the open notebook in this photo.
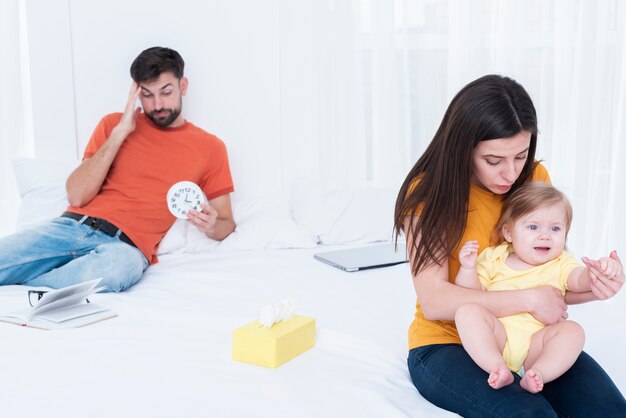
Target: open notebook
(361, 258)
(66, 307)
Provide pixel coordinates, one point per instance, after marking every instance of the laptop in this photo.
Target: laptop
(362, 258)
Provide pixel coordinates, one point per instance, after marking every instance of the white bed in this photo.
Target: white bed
(168, 353)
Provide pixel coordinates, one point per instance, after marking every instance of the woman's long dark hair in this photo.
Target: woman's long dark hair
(436, 190)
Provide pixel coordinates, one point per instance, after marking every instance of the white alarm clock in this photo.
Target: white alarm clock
(183, 197)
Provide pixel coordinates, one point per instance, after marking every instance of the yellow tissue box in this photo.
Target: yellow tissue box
(271, 347)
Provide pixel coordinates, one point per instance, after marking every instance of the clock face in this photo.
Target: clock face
(183, 197)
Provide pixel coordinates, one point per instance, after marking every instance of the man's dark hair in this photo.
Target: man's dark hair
(152, 62)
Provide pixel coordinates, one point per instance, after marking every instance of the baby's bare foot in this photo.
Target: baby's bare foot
(532, 381)
(500, 376)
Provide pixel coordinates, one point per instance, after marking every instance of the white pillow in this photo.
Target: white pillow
(340, 216)
(262, 223)
(41, 184)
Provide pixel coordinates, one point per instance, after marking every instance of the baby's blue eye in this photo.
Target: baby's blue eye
(555, 229)
(532, 227)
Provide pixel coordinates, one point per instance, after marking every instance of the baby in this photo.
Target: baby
(533, 230)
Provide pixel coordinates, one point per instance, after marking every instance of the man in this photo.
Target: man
(117, 196)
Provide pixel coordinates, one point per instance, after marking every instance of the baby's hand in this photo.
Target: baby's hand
(468, 254)
(610, 268)
(606, 275)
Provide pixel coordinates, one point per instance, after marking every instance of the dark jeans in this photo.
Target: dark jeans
(446, 376)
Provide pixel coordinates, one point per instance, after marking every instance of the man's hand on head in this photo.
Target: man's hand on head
(127, 123)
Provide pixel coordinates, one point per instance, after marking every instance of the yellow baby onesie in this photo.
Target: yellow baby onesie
(495, 275)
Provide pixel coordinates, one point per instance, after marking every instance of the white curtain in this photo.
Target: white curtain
(371, 79)
(571, 57)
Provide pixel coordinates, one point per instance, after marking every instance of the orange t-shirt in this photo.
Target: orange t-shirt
(149, 162)
(483, 213)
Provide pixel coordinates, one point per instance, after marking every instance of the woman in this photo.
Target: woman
(483, 150)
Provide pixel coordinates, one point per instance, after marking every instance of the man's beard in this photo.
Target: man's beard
(164, 121)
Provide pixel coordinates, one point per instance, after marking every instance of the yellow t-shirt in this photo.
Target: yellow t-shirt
(483, 212)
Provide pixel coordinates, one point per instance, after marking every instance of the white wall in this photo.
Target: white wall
(279, 81)
(241, 85)
(50, 54)
(11, 123)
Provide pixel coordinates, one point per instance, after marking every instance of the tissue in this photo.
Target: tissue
(275, 338)
(272, 314)
(271, 347)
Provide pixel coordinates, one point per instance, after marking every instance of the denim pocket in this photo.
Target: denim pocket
(64, 221)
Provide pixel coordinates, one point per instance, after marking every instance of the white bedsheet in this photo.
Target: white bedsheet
(168, 354)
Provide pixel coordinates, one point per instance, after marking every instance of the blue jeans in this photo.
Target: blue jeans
(446, 376)
(65, 252)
